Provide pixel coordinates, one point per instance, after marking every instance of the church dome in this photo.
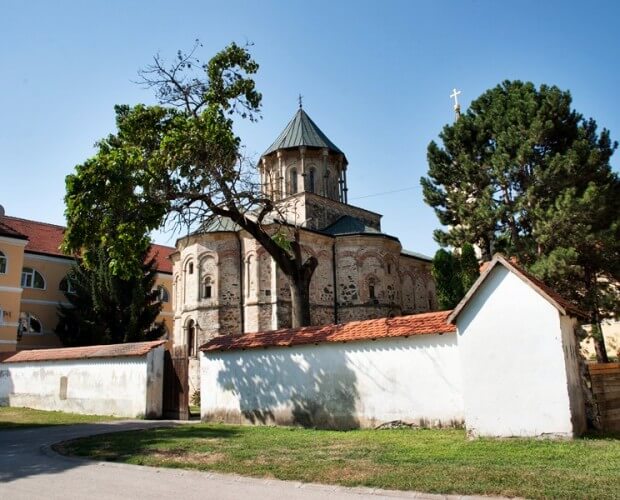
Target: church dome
(302, 131)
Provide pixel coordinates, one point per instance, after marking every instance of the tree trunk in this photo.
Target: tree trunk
(599, 342)
(300, 300)
(595, 320)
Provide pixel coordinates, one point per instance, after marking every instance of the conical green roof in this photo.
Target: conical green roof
(302, 131)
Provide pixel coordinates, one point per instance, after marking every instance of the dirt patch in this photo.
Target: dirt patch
(179, 456)
(361, 471)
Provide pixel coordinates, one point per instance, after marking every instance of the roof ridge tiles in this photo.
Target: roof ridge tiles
(400, 326)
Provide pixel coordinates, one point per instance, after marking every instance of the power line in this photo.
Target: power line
(387, 192)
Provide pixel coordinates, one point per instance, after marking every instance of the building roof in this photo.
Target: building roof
(349, 225)
(302, 131)
(554, 298)
(10, 232)
(372, 329)
(133, 349)
(219, 224)
(416, 255)
(44, 238)
(161, 253)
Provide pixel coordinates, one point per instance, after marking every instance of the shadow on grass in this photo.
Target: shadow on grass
(119, 446)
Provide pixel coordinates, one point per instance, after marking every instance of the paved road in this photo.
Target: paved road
(29, 469)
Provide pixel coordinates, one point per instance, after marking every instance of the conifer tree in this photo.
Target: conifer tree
(523, 173)
(107, 309)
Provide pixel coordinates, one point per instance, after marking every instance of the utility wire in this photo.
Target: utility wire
(387, 192)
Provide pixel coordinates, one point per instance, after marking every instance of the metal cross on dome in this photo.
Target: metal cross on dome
(455, 95)
(300, 99)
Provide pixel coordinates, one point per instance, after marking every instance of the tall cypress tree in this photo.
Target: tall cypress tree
(106, 309)
(523, 173)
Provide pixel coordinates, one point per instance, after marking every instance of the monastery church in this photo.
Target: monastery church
(225, 283)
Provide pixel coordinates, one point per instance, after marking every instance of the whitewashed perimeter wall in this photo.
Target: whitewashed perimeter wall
(516, 379)
(122, 387)
(336, 385)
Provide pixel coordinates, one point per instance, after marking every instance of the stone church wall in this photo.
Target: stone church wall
(249, 293)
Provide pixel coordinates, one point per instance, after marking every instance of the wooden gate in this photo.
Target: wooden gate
(176, 384)
(606, 388)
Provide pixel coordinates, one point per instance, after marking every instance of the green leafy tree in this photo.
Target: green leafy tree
(181, 161)
(522, 173)
(106, 309)
(446, 272)
(454, 274)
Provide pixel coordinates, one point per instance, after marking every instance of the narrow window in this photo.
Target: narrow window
(191, 338)
(371, 290)
(389, 266)
(311, 180)
(2, 263)
(190, 268)
(292, 182)
(31, 278)
(207, 288)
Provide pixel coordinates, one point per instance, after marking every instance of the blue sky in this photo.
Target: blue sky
(376, 77)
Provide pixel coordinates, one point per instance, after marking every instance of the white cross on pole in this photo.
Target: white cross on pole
(455, 95)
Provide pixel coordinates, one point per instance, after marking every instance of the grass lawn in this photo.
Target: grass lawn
(439, 461)
(15, 418)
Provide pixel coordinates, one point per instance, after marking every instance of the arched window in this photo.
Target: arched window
(66, 285)
(163, 295)
(29, 323)
(31, 278)
(191, 338)
(311, 180)
(292, 181)
(207, 288)
(371, 289)
(3, 262)
(190, 268)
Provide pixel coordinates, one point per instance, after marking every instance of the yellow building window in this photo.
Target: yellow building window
(31, 278)
(2, 263)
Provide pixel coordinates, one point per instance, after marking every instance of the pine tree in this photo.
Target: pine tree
(523, 173)
(106, 309)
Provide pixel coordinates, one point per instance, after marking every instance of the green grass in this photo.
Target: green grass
(15, 418)
(439, 461)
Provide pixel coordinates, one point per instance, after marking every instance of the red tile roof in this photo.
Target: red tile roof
(10, 232)
(133, 349)
(44, 238)
(161, 255)
(402, 326)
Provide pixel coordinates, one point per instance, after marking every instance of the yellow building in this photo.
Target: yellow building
(32, 282)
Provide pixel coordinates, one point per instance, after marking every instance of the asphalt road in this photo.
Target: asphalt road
(29, 469)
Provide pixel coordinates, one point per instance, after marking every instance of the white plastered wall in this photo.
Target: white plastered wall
(336, 385)
(123, 387)
(513, 364)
